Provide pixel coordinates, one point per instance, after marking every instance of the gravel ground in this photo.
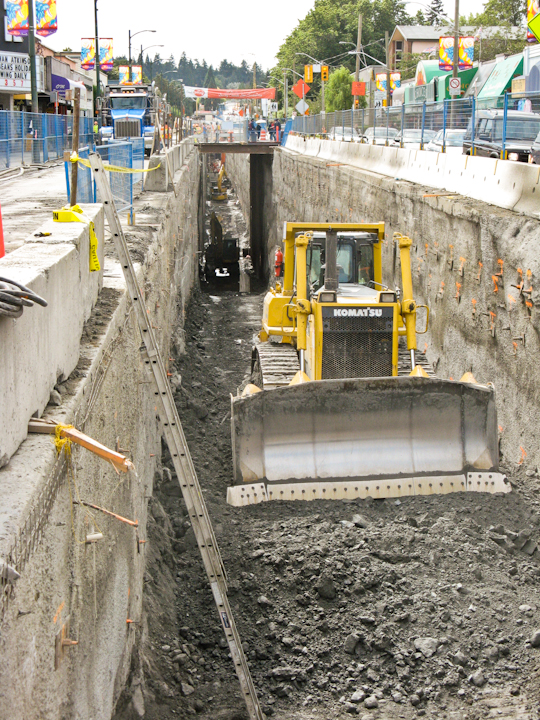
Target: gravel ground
(382, 609)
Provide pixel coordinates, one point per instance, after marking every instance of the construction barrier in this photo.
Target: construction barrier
(503, 183)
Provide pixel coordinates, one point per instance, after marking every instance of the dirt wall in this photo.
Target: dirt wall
(93, 591)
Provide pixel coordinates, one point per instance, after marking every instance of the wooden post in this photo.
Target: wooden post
(75, 145)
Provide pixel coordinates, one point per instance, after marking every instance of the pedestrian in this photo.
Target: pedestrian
(258, 129)
(205, 133)
(278, 130)
(217, 131)
(272, 130)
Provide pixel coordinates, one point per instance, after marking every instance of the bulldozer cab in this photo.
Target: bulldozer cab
(355, 260)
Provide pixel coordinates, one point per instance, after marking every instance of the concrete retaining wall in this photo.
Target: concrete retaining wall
(43, 344)
(167, 164)
(504, 183)
(97, 588)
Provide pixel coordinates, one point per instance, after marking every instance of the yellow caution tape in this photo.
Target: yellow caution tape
(75, 214)
(112, 168)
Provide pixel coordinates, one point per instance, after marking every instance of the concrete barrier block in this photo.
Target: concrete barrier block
(529, 202)
(43, 344)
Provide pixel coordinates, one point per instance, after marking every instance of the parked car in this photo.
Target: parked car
(453, 141)
(534, 157)
(411, 139)
(345, 134)
(378, 135)
(522, 129)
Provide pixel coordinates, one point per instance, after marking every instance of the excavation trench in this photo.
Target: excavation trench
(383, 609)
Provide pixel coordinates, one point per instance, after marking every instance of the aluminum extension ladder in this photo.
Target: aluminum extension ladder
(174, 434)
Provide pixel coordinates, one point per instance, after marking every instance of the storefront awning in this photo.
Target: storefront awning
(501, 76)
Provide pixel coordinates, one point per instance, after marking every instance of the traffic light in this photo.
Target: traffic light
(357, 103)
(324, 73)
(308, 73)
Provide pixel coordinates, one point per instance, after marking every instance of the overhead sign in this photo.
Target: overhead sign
(253, 93)
(454, 86)
(302, 107)
(300, 89)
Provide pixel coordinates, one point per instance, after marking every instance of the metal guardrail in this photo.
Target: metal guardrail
(124, 186)
(34, 138)
(427, 118)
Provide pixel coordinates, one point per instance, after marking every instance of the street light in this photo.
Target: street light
(132, 36)
(147, 48)
(151, 61)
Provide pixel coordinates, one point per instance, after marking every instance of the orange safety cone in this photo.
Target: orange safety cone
(2, 248)
(263, 135)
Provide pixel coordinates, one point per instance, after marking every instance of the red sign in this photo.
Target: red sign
(359, 88)
(300, 89)
(255, 93)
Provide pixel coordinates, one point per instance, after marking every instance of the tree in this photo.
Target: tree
(435, 13)
(332, 22)
(502, 13)
(338, 90)
(407, 64)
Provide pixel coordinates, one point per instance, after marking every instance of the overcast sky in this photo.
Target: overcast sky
(209, 29)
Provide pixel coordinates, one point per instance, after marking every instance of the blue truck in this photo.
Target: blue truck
(128, 112)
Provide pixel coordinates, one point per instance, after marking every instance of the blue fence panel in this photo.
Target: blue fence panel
(421, 122)
(33, 138)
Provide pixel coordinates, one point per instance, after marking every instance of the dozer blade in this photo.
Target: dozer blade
(378, 437)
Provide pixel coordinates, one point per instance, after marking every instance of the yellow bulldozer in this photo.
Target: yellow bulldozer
(341, 404)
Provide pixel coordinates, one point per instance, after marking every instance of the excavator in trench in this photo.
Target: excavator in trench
(341, 404)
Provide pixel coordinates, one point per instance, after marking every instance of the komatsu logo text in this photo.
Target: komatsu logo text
(358, 312)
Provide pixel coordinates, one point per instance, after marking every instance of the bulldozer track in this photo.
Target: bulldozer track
(404, 361)
(277, 365)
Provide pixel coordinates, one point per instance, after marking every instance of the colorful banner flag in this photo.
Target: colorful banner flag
(446, 53)
(533, 8)
(380, 82)
(17, 17)
(123, 74)
(106, 54)
(46, 17)
(136, 74)
(255, 93)
(88, 54)
(465, 53)
(395, 81)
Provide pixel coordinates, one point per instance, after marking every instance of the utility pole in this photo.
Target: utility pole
(97, 59)
(455, 65)
(285, 95)
(358, 46)
(388, 71)
(129, 60)
(32, 55)
(75, 145)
